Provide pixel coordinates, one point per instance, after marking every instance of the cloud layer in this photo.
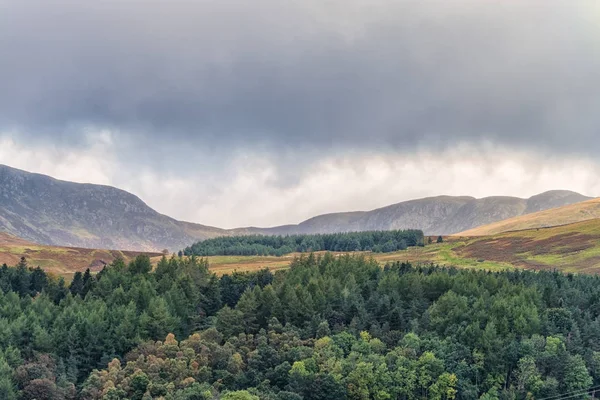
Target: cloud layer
(213, 100)
(305, 72)
(247, 193)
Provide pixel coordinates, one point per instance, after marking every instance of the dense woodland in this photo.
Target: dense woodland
(261, 245)
(328, 328)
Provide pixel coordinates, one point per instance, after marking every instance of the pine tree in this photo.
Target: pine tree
(248, 306)
(8, 391)
(76, 287)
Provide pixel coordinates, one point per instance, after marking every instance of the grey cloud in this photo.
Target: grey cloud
(304, 73)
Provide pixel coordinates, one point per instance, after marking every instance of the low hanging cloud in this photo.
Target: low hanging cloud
(211, 109)
(246, 193)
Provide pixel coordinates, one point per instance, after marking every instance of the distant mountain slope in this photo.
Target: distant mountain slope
(442, 215)
(568, 214)
(48, 211)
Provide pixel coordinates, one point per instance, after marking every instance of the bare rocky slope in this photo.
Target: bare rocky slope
(442, 215)
(48, 211)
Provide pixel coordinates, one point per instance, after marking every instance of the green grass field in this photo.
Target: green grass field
(441, 254)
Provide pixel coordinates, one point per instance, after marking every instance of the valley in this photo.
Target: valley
(48, 211)
(571, 248)
(299, 200)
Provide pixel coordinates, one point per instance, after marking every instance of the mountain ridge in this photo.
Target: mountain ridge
(49, 211)
(435, 215)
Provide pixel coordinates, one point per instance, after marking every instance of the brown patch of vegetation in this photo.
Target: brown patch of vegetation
(573, 213)
(517, 250)
(60, 260)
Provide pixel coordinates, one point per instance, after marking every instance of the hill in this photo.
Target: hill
(568, 214)
(442, 215)
(568, 248)
(63, 261)
(48, 211)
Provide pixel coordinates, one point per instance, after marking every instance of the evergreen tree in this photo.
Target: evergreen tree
(76, 287)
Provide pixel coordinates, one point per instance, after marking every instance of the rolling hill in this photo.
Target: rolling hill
(442, 215)
(564, 215)
(48, 211)
(62, 261)
(568, 248)
(572, 248)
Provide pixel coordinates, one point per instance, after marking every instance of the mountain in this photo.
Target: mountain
(48, 211)
(442, 215)
(564, 215)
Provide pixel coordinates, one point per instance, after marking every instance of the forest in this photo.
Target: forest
(262, 245)
(327, 328)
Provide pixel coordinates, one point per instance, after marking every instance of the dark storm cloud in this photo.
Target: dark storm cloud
(323, 74)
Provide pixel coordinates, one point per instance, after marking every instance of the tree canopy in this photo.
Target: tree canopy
(263, 245)
(328, 328)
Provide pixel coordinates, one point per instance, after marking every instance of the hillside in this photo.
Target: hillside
(568, 248)
(62, 261)
(48, 211)
(442, 215)
(568, 214)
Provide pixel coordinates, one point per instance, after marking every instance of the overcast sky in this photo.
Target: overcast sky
(265, 112)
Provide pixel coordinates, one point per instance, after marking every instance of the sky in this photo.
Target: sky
(236, 113)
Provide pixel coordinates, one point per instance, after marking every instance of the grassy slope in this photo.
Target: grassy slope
(442, 254)
(569, 248)
(570, 214)
(63, 261)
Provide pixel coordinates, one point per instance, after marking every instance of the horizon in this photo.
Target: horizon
(314, 216)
